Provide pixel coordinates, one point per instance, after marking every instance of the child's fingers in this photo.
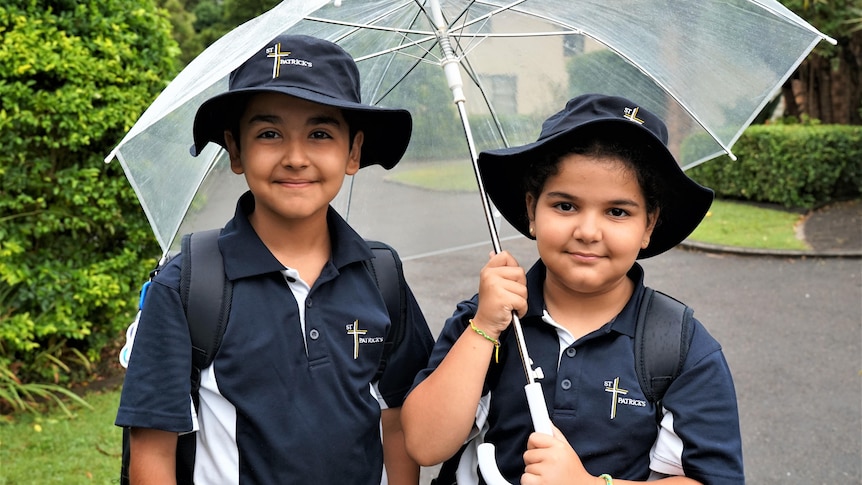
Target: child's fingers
(542, 440)
(503, 258)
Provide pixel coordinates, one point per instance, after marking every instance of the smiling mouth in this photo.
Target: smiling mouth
(580, 255)
(293, 182)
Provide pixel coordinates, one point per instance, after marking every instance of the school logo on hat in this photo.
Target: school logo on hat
(632, 114)
(280, 58)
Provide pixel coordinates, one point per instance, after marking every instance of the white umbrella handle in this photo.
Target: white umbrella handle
(541, 423)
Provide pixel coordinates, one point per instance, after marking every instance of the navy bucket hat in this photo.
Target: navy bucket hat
(315, 70)
(503, 171)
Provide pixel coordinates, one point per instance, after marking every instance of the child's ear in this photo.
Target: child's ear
(355, 154)
(531, 206)
(652, 220)
(233, 152)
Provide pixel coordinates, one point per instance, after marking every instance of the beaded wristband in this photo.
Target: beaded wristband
(608, 479)
(488, 338)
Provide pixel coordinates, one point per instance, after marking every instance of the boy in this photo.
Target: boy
(291, 395)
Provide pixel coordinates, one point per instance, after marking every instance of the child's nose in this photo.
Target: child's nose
(295, 156)
(587, 227)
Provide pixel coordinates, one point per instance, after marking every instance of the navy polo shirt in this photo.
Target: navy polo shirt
(277, 406)
(593, 396)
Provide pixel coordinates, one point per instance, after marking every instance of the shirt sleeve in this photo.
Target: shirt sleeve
(699, 431)
(157, 386)
(452, 330)
(409, 357)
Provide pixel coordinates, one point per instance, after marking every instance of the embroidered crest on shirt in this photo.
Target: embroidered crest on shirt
(618, 396)
(357, 333)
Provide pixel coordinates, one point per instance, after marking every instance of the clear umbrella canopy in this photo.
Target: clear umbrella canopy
(707, 67)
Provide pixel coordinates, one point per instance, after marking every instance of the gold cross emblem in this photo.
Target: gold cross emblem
(616, 391)
(276, 53)
(356, 332)
(632, 114)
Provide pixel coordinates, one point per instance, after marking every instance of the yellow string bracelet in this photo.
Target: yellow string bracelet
(488, 338)
(608, 479)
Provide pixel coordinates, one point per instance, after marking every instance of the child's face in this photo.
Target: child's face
(294, 154)
(590, 222)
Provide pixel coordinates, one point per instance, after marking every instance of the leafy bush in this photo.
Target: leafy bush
(74, 243)
(797, 166)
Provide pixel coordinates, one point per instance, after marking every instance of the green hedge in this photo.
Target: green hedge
(74, 243)
(796, 166)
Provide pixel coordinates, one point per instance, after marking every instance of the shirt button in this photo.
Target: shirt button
(308, 302)
(314, 334)
(566, 384)
(571, 351)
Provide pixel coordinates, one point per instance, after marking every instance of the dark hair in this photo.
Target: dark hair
(633, 149)
(236, 110)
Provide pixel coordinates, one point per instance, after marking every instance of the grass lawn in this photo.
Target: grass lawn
(745, 225)
(84, 448)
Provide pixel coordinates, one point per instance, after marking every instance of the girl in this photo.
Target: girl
(597, 191)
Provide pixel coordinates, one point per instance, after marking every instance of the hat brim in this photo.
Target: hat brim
(503, 172)
(387, 131)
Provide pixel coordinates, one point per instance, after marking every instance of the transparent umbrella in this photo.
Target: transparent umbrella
(707, 67)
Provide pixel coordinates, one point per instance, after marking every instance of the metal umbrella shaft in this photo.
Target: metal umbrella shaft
(533, 389)
(453, 77)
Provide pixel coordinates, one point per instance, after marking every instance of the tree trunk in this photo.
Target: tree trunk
(829, 88)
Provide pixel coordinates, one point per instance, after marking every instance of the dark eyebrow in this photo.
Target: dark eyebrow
(314, 120)
(569, 197)
(264, 119)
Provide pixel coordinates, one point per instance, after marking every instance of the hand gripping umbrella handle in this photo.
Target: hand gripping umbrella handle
(541, 423)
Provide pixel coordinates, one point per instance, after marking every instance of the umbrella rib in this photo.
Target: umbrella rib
(367, 26)
(404, 75)
(427, 37)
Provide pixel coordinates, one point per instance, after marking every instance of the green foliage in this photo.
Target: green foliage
(797, 166)
(214, 18)
(182, 28)
(74, 243)
(836, 18)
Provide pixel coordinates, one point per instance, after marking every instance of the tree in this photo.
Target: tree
(214, 18)
(182, 27)
(74, 243)
(828, 84)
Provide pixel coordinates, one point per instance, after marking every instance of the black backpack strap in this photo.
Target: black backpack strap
(206, 295)
(387, 271)
(662, 338)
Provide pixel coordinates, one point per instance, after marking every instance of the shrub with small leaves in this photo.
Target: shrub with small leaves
(74, 242)
(800, 166)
